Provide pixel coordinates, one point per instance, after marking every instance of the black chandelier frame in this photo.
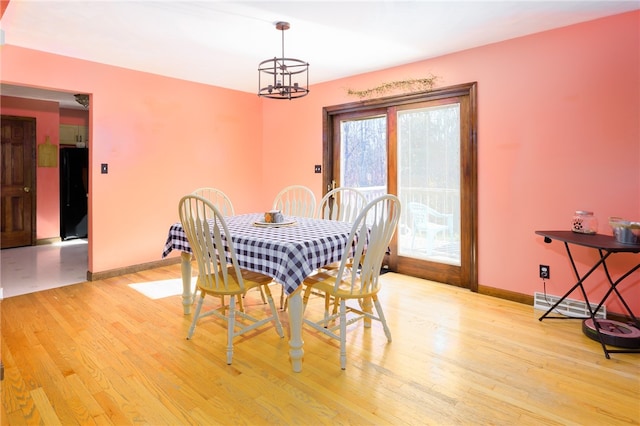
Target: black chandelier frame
(284, 78)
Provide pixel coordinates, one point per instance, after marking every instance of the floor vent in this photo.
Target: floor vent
(568, 307)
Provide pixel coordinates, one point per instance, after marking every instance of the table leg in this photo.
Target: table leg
(578, 284)
(296, 352)
(187, 294)
(614, 288)
(592, 312)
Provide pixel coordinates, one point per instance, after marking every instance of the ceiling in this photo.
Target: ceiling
(221, 42)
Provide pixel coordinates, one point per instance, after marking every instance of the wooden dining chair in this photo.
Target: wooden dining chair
(355, 286)
(341, 204)
(344, 204)
(218, 198)
(206, 229)
(296, 200)
(223, 203)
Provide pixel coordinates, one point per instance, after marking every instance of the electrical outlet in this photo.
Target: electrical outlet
(544, 272)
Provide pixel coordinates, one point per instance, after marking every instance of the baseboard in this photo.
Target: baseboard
(529, 300)
(44, 241)
(489, 291)
(95, 276)
(506, 294)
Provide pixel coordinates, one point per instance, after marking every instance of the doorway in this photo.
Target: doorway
(422, 148)
(35, 263)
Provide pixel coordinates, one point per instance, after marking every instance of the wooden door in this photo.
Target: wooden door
(18, 181)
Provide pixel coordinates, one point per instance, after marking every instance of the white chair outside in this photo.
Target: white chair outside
(360, 283)
(426, 221)
(296, 200)
(205, 227)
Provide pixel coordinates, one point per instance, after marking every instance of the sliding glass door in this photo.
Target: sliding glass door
(421, 148)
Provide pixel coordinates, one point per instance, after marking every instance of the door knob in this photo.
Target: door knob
(26, 189)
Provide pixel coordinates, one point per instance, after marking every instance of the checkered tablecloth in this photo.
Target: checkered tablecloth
(289, 254)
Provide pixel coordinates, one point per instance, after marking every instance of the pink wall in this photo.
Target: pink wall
(558, 121)
(74, 117)
(161, 137)
(558, 131)
(47, 178)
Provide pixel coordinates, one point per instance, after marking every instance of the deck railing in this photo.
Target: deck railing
(445, 201)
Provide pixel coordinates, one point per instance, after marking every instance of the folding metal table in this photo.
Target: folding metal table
(606, 246)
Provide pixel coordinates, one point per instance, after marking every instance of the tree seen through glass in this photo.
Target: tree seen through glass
(364, 153)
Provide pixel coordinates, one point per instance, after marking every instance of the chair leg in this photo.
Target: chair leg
(282, 298)
(383, 320)
(336, 304)
(327, 304)
(343, 334)
(196, 314)
(262, 296)
(366, 305)
(274, 311)
(305, 298)
(240, 304)
(231, 324)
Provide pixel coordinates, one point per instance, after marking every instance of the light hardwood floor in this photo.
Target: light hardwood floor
(103, 353)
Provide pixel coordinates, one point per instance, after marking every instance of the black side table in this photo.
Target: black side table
(606, 246)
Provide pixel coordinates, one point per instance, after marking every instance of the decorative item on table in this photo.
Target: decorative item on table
(273, 216)
(584, 222)
(625, 231)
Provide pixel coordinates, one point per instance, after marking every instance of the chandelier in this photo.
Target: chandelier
(82, 100)
(284, 78)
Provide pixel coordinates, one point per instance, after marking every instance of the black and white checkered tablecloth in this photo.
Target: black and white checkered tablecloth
(289, 254)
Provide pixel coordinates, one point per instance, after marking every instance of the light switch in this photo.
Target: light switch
(318, 168)
(104, 168)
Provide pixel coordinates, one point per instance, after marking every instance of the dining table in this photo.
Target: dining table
(288, 252)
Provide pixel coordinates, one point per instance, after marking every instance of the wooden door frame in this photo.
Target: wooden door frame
(469, 267)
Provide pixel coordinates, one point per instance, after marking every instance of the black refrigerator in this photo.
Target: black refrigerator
(74, 175)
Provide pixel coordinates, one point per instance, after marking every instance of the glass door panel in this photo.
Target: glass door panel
(363, 155)
(428, 183)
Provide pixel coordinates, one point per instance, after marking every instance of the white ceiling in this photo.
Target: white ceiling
(221, 42)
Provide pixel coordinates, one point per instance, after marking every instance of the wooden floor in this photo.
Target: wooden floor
(104, 353)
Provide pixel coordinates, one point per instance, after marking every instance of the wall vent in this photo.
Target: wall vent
(568, 307)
